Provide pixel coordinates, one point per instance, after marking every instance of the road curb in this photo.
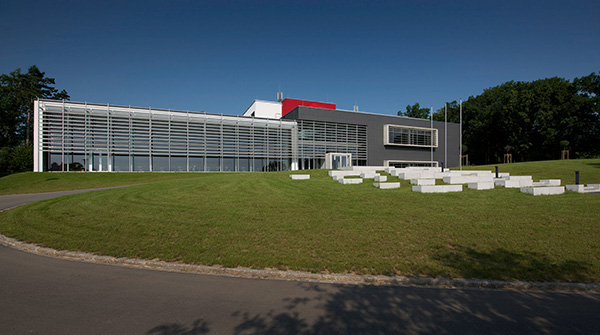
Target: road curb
(297, 275)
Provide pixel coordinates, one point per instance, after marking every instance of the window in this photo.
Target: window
(410, 136)
(403, 164)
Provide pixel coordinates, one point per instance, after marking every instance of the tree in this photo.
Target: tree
(415, 111)
(18, 91)
(533, 118)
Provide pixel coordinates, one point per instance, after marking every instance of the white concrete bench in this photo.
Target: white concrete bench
(437, 188)
(514, 181)
(482, 185)
(422, 181)
(380, 178)
(584, 189)
(343, 173)
(347, 181)
(465, 179)
(369, 175)
(300, 176)
(387, 185)
(547, 182)
(544, 190)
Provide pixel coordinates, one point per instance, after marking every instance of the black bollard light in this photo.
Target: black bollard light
(496, 171)
(576, 177)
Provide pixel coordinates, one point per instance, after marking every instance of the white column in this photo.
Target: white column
(38, 152)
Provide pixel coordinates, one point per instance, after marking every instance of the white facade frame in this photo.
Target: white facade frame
(386, 136)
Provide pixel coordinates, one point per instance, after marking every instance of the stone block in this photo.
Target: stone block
(347, 181)
(387, 185)
(300, 176)
(437, 188)
(482, 185)
(550, 182)
(576, 188)
(369, 174)
(422, 181)
(547, 190)
(380, 178)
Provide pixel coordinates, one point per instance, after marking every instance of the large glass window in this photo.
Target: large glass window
(228, 164)
(141, 163)
(196, 164)
(178, 163)
(213, 164)
(410, 136)
(120, 163)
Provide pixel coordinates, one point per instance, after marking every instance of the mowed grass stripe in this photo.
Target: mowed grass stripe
(266, 220)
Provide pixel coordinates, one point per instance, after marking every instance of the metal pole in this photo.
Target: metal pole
(431, 121)
(576, 177)
(446, 134)
(460, 149)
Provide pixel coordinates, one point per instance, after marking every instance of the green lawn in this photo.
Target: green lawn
(267, 220)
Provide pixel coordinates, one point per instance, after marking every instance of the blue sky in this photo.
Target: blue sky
(218, 56)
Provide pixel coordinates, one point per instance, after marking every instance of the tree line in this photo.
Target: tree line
(530, 120)
(18, 91)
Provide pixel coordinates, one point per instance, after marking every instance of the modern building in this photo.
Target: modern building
(271, 136)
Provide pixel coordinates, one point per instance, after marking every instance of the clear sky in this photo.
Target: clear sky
(218, 56)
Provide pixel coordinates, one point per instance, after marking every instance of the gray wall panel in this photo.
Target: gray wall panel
(377, 151)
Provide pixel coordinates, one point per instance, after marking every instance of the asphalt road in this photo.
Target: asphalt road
(44, 295)
(14, 200)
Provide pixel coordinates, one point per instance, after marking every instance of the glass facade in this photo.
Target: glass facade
(317, 138)
(72, 136)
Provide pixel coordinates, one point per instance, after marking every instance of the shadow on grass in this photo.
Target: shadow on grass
(501, 264)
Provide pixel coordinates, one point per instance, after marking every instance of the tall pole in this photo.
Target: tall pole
(431, 120)
(460, 149)
(445, 134)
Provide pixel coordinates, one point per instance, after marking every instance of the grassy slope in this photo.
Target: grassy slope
(34, 182)
(267, 220)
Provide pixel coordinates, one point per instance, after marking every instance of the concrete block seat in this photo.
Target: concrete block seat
(543, 190)
(348, 181)
(387, 185)
(590, 188)
(482, 185)
(465, 179)
(437, 188)
(422, 181)
(300, 176)
(547, 182)
(514, 181)
(380, 178)
(369, 175)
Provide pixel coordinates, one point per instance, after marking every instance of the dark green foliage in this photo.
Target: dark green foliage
(17, 158)
(532, 118)
(415, 111)
(18, 91)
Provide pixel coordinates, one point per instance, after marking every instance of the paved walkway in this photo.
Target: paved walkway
(14, 200)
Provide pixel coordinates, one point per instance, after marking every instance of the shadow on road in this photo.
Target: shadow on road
(198, 327)
(367, 309)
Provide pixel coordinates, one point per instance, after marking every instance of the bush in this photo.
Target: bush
(16, 159)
